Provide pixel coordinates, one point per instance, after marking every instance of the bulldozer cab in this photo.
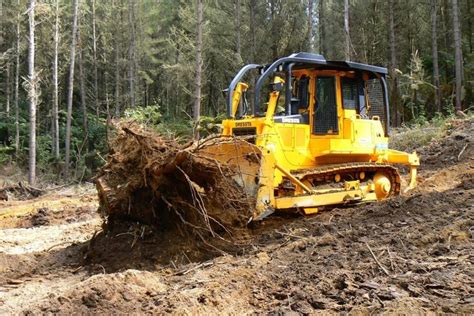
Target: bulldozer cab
(312, 91)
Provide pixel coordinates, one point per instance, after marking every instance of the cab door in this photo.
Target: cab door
(325, 107)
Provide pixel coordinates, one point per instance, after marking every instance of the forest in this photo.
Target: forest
(70, 68)
(236, 157)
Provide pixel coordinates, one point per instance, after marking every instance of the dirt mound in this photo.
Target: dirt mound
(455, 147)
(156, 181)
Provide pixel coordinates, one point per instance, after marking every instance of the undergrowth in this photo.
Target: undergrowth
(416, 135)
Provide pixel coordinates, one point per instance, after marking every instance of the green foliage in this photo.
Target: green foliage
(210, 125)
(415, 90)
(182, 130)
(149, 115)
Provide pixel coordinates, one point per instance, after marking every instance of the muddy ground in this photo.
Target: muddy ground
(412, 254)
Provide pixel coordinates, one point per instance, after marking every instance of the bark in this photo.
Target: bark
(131, 51)
(274, 44)
(393, 64)
(55, 83)
(310, 25)
(469, 24)
(82, 87)
(347, 35)
(198, 70)
(457, 54)
(32, 94)
(434, 52)
(322, 29)
(237, 29)
(117, 66)
(71, 88)
(117, 79)
(7, 88)
(447, 38)
(17, 83)
(94, 56)
(252, 8)
(1, 24)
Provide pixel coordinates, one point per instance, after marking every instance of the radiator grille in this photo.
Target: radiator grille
(244, 131)
(376, 100)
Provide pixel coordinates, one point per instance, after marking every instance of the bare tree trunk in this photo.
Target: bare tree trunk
(322, 29)
(82, 87)
(117, 79)
(274, 42)
(252, 7)
(447, 38)
(434, 52)
(71, 89)
(1, 23)
(237, 28)
(131, 51)
(393, 64)
(310, 25)
(17, 82)
(94, 55)
(347, 51)
(32, 94)
(469, 24)
(198, 70)
(7, 87)
(458, 54)
(55, 84)
(117, 66)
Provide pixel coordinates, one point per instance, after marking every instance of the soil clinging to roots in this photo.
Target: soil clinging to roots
(157, 181)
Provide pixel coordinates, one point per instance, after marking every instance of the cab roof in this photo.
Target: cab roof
(316, 61)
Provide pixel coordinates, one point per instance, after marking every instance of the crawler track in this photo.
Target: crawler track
(325, 174)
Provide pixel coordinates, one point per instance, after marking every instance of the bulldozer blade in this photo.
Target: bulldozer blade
(241, 156)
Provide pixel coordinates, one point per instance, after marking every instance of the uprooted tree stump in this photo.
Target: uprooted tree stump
(156, 181)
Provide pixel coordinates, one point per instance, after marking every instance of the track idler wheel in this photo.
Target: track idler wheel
(382, 186)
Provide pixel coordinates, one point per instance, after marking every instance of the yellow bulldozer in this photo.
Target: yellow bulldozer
(320, 138)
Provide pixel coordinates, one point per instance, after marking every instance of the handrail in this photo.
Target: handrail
(234, 83)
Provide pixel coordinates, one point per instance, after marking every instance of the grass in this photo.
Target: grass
(410, 137)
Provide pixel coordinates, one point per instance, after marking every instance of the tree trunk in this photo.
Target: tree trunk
(198, 70)
(346, 31)
(252, 8)
(310, 25)
(131, 51)
(469, 24)
(273, 32)
(94, 56)
(117, 65)
(71, 88)
(434, 52)
(1, 24)
(55, 84)
(237, 29)
(7, 87)
(17, 83)
(457, 54)
(447, 38)
(322, 29)
(32, 94)
(117, 79)
(82, 87)
(393, 64)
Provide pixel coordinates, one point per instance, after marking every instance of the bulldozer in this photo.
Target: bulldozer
(311, 133)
